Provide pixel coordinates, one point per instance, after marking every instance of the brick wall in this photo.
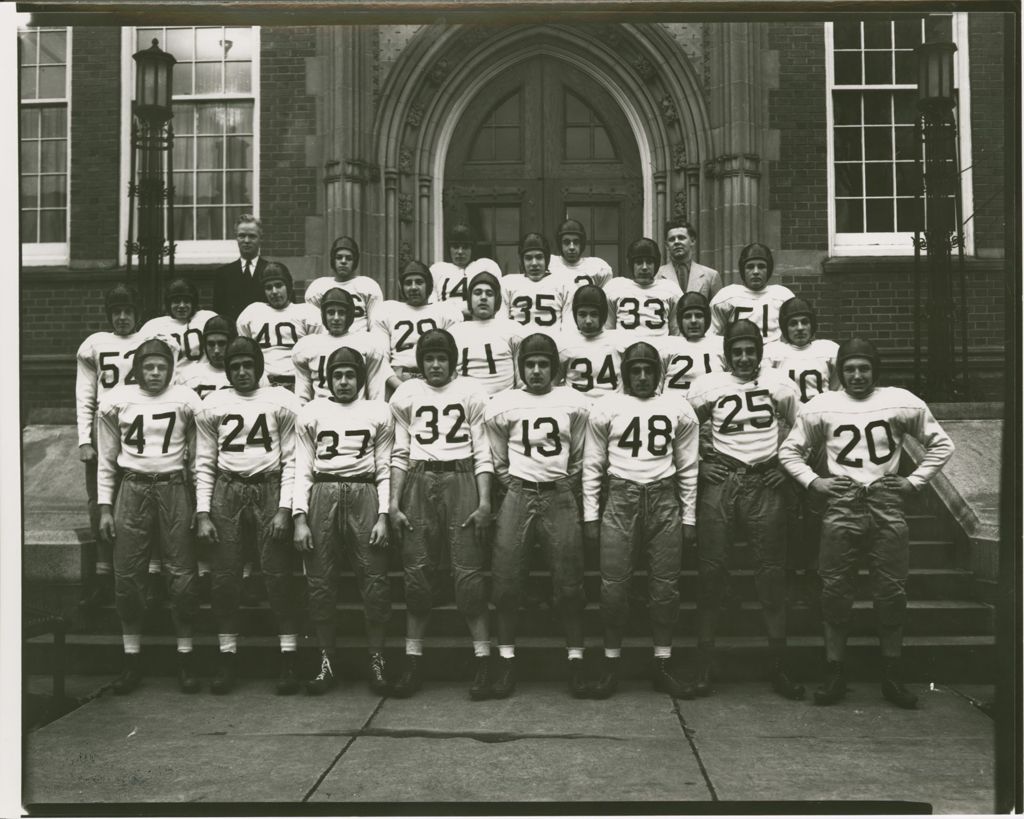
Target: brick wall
(95, 138)
(988, 105)
(797, 111)
(288, 187)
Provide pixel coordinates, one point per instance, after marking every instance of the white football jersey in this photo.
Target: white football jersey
(593, 365)
(588, 270)
(247, 435)
(309, 359)
(863, 437)
(144, 433)
(450, 280)
(365, 292)
(536, 437)
(440, 424)
(487, 352)
(188, 335)
(683, 361)
(204, 378)
(641, 440)
(277, 331)
(646, 312)
(104, 361)
(737, 301)
(537, 305)
(343, 439)
(745, 415)
(403, 325)
(811, 367)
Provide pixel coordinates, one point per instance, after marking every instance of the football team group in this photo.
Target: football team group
(481, 417)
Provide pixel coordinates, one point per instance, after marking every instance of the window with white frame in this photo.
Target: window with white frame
(874, 178)
(216, 133)
(44, 58)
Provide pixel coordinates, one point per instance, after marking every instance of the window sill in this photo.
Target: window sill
(852, 265)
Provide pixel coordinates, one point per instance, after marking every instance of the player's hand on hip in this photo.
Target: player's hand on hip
(713, 471)
(86, 452)
(897, 484)
(831, 487)
(205, 530)
(106, 526)
(399, 524)
(774, 478)
(302, 537)
(689, 535)
(379, 533)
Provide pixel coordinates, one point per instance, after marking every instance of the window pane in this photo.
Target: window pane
(847, 34)
(847, 143)
(878, 179)
(905, 104)
(52, 225)
(877, 143)
(610, 253)
(606, 222)
(506, 144)
(238, 118)
(938, 28)
(53, 122)
(846, 107)
(52, 47)
(908, 215)
(908, 33)
(506, 224)
(211, 119)
(239, 152)
(880, 216)
(209, 78)
(877, 34)
(847, 68)
(209, 223)
(28, 84)
(848, 216)
(182, 78)
(241, 43)
(508, 112)
(29, 156)
(209, 152)
(181, 43)
(577, 143)
(877, 107)
(878, 67)
(208, 44)
(905, 142)
(184, 119)
(208, 188)
(54, 155)
(238, 77)
(183, 225)
(483, 146)
(602, 145)
(906, 68)
(908, 179)
(29, 225)
(29, 123)
(52, 191)
(30, 192)
(848, 180)
(183, 188)
(29, 44)
(184, 148)
(145, 36)
(51, 82)
(239, 187)
(576, 111)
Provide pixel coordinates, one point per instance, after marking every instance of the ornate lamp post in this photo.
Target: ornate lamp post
(151, 236)
(941, 181)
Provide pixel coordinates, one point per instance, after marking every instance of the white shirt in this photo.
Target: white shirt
(588, 270)
(403, 325)
(365, 292)
(537, 304)
(309, 361)
(104, 361)
(487, 352)
(646, 311)
(683, 361)
(450, 280)
(737, 301)
(277, 331)
(593, 365)
(811, 367)
(188, 335)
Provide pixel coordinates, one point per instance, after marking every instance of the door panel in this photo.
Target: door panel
(541, 143)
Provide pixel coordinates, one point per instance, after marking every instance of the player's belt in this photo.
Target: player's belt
(281, 380)
(151, 477)
(329, 477)
(538, 486)
(259, 477)
(443, 466)
(741, 468)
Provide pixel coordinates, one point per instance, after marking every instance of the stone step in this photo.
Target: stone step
(965, 659)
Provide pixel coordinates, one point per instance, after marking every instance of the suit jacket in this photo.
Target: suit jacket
(702, 279)
(233, 291)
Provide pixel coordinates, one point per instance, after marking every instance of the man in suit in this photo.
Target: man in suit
(691, 276)
(237, 284)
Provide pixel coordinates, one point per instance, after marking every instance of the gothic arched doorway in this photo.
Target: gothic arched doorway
(540, 143)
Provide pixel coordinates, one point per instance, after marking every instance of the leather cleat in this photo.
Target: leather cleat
(665, 681)
(783, 685)
(99, 593)
(894, 690)
(702, 678)
(287, 680)
(833, 689)
(187, 680)
(375, 671)
(608, 683)
(224, 679)
(579, 688)
(411, 680)
(131, 675)
(504, 684)
(324, 680)
(480, 689)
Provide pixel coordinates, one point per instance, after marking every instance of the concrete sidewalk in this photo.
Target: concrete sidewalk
(744, 743)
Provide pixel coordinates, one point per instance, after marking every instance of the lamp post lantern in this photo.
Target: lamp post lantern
(151, 190)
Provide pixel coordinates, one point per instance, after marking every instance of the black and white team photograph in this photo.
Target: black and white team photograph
(507, 409)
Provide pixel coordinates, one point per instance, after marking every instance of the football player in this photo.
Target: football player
(451, 277)
(104, 361)
(441, 501)
(366, 293)
(693, 352)
(310, 354)
(861, 429)
(342, 477)
(535, 298)
(146, 433)
(742, 484)
(572, 264)
(638, 302)
(536, 435)
(183, 322)
(244, 472)
(278, 324)
(487, 342)
(755, 299)
(647, 445)
(590, 357)
(403, 322)
(209, 375)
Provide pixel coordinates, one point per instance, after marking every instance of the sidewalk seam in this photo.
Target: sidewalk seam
(693, 749)
(341, 753)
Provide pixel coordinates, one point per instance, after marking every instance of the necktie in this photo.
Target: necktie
(248, 268)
